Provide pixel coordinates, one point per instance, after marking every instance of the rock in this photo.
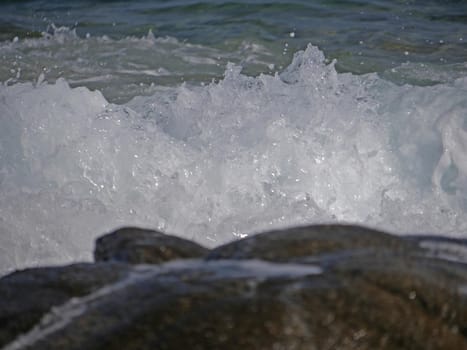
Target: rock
(308, 241)
(25, 296)
(344, 287)
(259, 305)
(140, 246)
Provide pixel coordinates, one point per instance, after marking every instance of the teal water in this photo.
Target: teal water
(364, 36)
(215, 119)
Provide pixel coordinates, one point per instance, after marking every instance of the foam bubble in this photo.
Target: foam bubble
(215, 162)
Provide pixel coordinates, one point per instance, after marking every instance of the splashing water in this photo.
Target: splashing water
(219, 161)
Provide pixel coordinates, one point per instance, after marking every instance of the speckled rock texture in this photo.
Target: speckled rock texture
(316, 287)
(140, 246)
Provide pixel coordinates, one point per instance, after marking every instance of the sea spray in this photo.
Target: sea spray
(219, 161)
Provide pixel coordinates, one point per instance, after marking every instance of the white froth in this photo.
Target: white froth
(121, 68)
(215, 162)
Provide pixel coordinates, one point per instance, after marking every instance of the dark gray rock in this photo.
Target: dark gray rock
(344, 287)
(141, 246)
(25, 296)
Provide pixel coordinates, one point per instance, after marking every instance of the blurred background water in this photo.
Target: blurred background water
(196, 39)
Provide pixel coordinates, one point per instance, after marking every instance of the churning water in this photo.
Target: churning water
(212, 120)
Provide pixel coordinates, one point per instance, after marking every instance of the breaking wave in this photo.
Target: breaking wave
(218, 161)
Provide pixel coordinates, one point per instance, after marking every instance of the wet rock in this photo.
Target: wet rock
(295, 243)
(253, 304)
(25, 296)
(140, 246)
(344, 287)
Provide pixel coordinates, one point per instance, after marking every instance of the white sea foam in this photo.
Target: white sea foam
(122, 68)
(219, 161)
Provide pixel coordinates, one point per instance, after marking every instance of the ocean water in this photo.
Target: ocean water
(212, 120)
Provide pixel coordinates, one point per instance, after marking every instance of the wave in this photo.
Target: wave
(126, 67)
(219, 161)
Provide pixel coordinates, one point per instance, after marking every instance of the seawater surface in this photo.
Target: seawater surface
(212, 120)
